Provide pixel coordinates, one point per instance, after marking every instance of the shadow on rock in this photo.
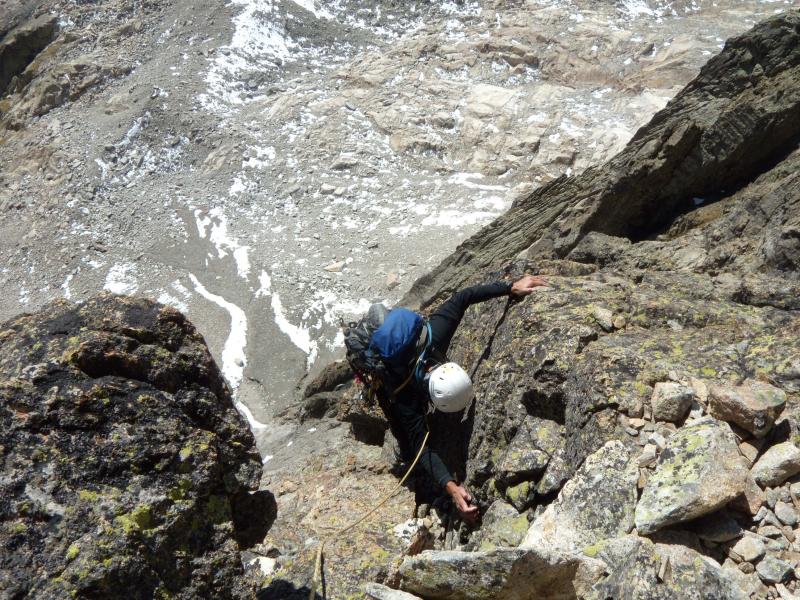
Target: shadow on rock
(253, 515)
(280, 589)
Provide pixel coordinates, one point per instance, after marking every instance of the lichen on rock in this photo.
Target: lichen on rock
(125, 463)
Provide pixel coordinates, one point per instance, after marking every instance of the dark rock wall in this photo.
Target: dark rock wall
(125, 465)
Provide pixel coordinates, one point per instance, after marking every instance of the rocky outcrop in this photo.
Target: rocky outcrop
(20, 46)
(125, 464)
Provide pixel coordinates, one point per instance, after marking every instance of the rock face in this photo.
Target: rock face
(125, 464)
(698, 472)
(21, 45)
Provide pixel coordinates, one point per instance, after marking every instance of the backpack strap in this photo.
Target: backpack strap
(419, 368)
(418, 364)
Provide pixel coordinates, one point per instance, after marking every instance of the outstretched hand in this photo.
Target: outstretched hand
(525, 285)
(462, 499)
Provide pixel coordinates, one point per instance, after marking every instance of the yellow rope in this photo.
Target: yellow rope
(318, 562)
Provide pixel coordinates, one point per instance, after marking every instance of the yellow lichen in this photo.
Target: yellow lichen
(73, 551)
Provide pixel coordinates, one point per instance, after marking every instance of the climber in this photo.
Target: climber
(446, 385)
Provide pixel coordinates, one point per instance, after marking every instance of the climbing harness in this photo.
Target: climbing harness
(317, 577)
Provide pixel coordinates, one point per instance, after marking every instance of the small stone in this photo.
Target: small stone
(335, 267)
(777, 464)
(759, 516)
(619, 322)
(443, 119)
(339, 191)
(671, 401)
(700, 390)
(392, 281)
(648, 456)
(788, 533)
(770, 531)
(773, 495)
(771, 519)
(344, 162)
(754, 405)
(750, 548)
(287, 487)
(747, 568)
(657, 439)
(327, 188)
(604, 317)
(784, 592)
(636, 423)
(631, 431)
(773, 570)
(749, 451)
(777, 545)
(372, 245)
(786, 513)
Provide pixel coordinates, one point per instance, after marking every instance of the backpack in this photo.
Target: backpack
(383, 345)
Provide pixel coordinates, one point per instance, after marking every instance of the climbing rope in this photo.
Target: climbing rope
(318, 562)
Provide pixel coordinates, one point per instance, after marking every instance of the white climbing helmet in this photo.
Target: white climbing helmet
(450, 388)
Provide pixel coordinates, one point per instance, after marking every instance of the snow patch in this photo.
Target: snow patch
(251, 420)
(265, 285)
(299, 336)
(465, 179)
(224, 243)
(170, 300)
(233, 352)
(314, 8)
(121, 279)
(65, 286)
